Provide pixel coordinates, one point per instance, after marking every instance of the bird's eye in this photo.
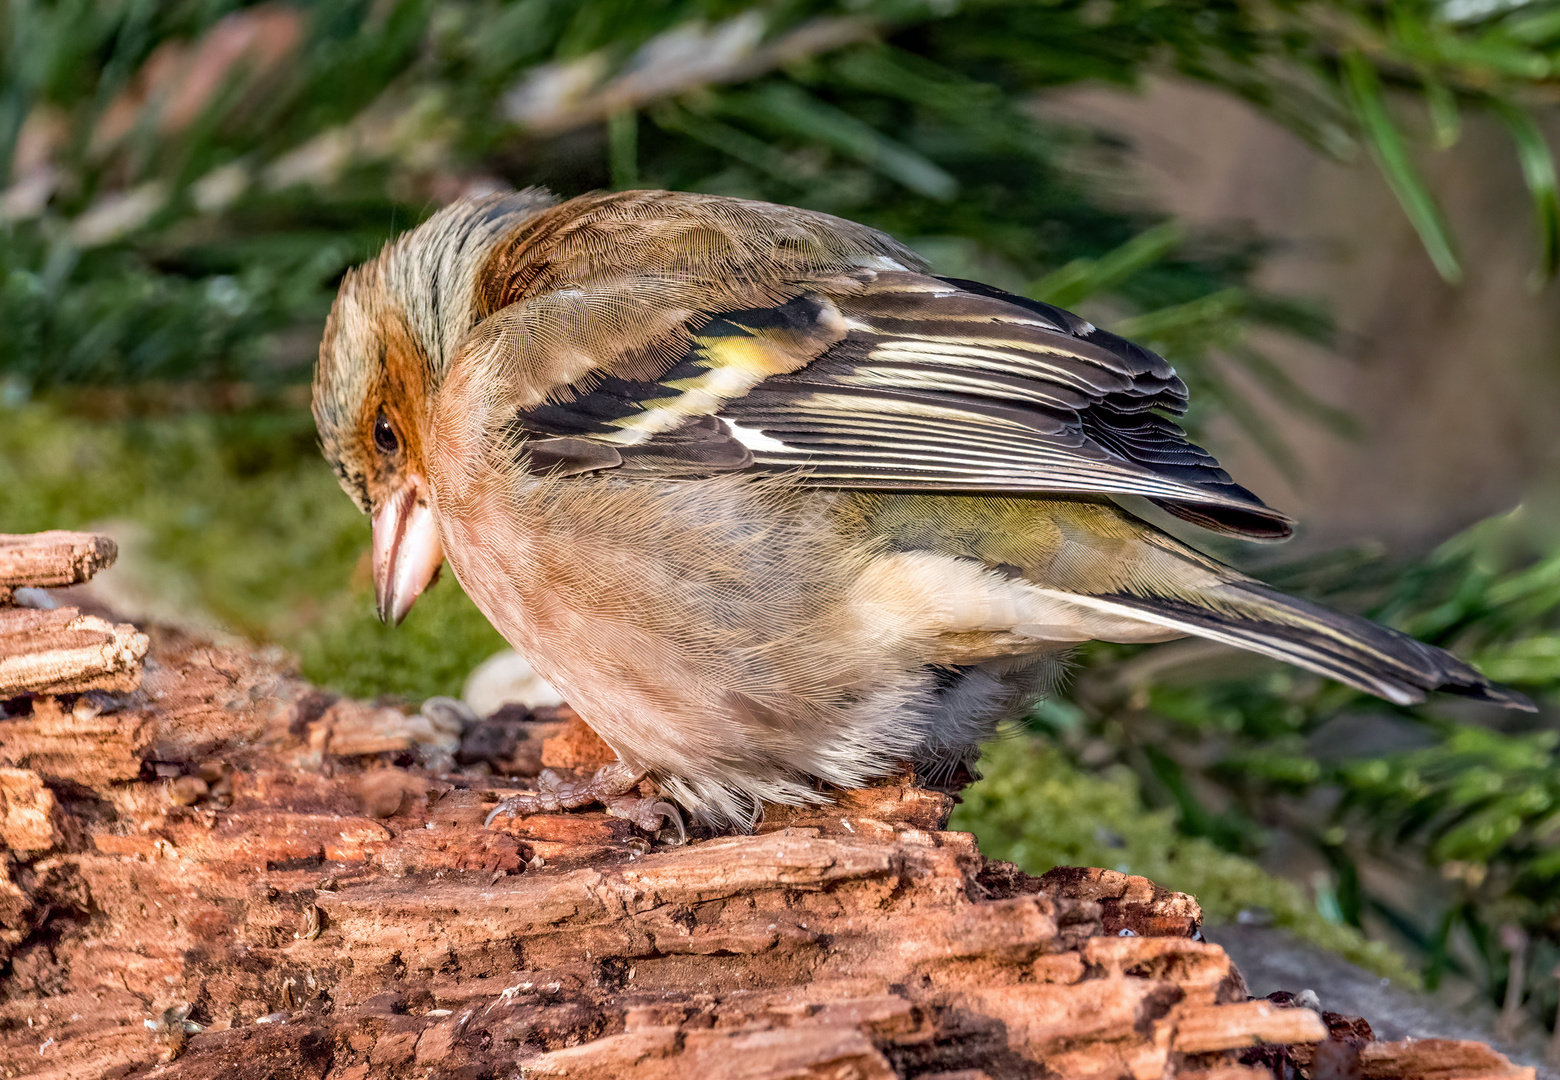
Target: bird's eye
(384, 435)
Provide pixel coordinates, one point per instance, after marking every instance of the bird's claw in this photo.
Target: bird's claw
(610, 786)
(553, 793)
(648, 814)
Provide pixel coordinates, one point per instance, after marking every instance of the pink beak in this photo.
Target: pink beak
(407, 552)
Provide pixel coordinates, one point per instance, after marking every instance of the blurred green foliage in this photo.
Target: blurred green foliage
(182, 183)
(183, 177)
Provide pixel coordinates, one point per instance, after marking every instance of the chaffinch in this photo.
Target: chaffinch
(773, 505)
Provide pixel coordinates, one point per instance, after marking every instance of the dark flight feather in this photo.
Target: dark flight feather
(934, 384)
(1348, 648)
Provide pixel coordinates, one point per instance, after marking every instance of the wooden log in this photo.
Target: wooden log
(61, 651)
(1250, 1023)
(77, 745)
(65, 652)
(1437, 1059)
(50, 559)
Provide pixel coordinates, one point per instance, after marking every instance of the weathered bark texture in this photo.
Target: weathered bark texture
(61, 651)
(48, 559)
(229, 874)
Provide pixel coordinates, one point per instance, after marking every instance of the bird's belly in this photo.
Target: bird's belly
(701, 628)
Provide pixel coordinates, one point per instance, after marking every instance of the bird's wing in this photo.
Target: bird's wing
(882, 379)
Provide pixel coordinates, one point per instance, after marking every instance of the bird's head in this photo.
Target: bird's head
(392, 335)
(370, 399)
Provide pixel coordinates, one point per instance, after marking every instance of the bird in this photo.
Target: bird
(777, 508)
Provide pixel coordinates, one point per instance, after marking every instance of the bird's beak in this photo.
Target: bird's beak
(407, 552)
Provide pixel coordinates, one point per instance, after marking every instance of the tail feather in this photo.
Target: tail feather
(1348, 648)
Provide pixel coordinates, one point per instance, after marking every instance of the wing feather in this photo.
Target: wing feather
(895, 379)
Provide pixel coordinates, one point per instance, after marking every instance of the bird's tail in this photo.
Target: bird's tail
(1351, 649)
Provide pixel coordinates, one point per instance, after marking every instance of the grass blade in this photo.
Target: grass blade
(1370, 109)
(788, 107)
(1082, 278)
(1444, 118)
(1538, 169)
(1283, 387)
(730, 141)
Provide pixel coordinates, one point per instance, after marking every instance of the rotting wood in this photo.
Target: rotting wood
(50, 559)
(61, 651)
(26, 812)
(65, 652)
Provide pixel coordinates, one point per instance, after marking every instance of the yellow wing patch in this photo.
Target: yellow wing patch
(735, 364)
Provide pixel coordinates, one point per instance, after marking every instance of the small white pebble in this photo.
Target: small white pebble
(506, 677)
(37, 599)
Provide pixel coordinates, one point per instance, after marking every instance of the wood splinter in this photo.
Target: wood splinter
(61, 650)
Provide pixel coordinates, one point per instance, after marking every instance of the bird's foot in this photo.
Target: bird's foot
(651, 815)
(611, 786)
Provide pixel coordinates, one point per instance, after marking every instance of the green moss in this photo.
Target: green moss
(1035, 809)
(234, 520)
(432, 652)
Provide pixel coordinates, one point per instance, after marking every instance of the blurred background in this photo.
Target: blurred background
(1339, 220)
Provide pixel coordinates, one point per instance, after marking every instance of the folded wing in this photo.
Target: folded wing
(897, 380)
